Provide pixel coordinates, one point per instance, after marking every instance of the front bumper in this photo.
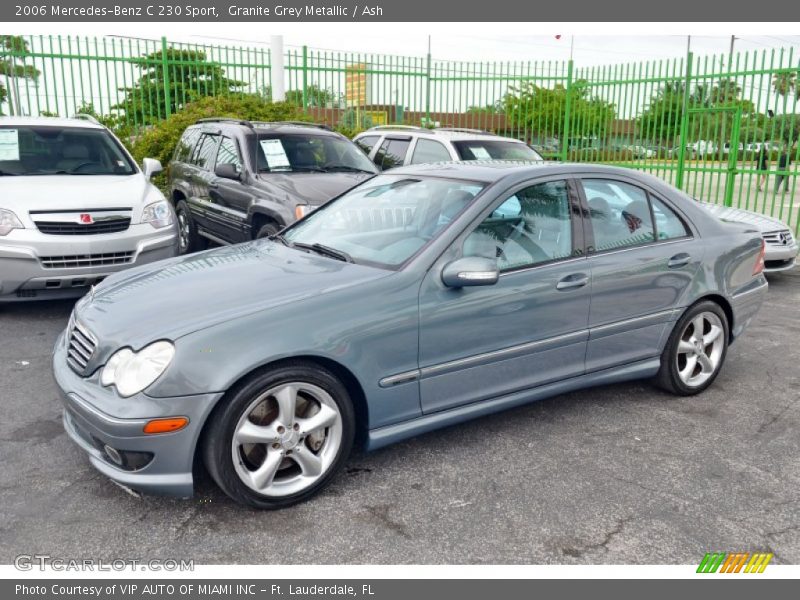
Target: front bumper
(96, 417)
(24, 276)
(780, 258)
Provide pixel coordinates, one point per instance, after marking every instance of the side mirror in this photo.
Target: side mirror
(470, 270)
(151, 166)
(228, 171)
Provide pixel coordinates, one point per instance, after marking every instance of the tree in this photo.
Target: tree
(13, 49)
(191, 77)
(661, 120)
(541, 110)
(785, 83)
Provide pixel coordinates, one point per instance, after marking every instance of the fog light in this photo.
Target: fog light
(165, 425)
(113, 455)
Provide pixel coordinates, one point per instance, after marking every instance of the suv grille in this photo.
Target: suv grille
(778, 238)
(81, 348)
(106, 226)
(86, 260)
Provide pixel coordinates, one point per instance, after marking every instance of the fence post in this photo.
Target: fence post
(428, 89)
(305, 78)
(567, 115)
(684, 133)
(165, 71)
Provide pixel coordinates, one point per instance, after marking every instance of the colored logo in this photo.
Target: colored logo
(734, 562)
(86, 218)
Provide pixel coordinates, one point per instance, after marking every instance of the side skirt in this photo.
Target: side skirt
(384, 436)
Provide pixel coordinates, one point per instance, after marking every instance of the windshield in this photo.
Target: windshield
(386, 220)
(49, 150)
(494, 150)
(281, 153)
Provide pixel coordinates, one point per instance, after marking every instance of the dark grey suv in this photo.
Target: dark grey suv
(234, 180)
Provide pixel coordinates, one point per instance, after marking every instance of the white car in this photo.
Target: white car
(74, 208)
(390, 146)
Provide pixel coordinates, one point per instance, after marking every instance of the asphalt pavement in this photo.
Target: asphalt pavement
(619, 474)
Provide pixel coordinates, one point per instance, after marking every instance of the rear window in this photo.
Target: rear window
(494, 150)
(53, 150)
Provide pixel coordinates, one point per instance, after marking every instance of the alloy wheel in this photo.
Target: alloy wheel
(287, 439)
(700, 349)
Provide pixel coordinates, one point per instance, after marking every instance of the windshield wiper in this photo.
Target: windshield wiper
(326, 251)
(281, 239)
(346, 169)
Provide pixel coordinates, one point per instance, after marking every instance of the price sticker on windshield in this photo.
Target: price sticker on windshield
(480, 152)
(275, 154)
(9, 144)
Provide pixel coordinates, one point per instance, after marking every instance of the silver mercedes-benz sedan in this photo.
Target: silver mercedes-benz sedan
(419, 299)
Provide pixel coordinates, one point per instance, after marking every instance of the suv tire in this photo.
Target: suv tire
(188, 238)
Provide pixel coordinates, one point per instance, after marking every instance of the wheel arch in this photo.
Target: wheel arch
(724, 304)
(342, 373)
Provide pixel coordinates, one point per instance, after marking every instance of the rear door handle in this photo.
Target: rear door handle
(575, 280)
(679, 260)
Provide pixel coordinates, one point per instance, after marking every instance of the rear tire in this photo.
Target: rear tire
(695, 351)
(188, 238)
(281, 436)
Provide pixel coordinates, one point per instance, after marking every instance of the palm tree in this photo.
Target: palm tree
(11, 48)
(785, 82)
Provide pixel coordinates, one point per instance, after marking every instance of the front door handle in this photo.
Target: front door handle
(576, 280)
(679, 260)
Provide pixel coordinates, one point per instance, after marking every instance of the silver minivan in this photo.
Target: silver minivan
(74, 208)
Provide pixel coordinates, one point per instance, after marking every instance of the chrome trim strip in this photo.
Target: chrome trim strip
(406, 377)
(97, 413)
(760, 288)
(504, 353)
(640, 246)
(610, 327)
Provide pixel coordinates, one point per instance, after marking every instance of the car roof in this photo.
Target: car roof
(490, 171)
(271, 126)
(449, 133)
(49, 121)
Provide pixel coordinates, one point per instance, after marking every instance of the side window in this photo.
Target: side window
(367, 142)
(205, 151)
(392, 153)
(620, 214)
(186, 144)
(228, 153)
(529, 228)
(428, 151)
(669, 226)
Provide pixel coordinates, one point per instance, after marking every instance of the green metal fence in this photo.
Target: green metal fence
(707, 124)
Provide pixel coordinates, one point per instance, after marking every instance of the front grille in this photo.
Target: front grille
(86, 260)
(81, 348)
(778, 238)
(106, 226)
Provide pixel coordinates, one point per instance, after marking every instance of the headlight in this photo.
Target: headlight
(131, 372)
(8, 221)
(158, 214)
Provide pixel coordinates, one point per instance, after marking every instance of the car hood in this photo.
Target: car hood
(74, 192)
(760, 222)
(313, 188)
(175, 297)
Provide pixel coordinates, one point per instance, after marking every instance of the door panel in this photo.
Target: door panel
(199, 179)
(229, 199)
(483, 342)
(639, 275)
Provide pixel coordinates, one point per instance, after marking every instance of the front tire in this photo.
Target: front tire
(188, 238)
(281, 437)
(268, 229)
(695, 351)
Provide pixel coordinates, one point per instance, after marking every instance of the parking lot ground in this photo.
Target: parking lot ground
(619, 474)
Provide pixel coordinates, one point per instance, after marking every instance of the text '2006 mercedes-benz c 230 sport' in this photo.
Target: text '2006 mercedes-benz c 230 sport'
(419, 299)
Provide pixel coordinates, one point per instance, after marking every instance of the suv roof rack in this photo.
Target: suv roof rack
(296, 124)
(407, 127)
(463, 130)
(86, 117)
(224, 120)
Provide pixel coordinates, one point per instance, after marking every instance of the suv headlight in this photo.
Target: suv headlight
(131, 372)
(8, 221)
(158, 214)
